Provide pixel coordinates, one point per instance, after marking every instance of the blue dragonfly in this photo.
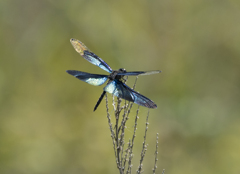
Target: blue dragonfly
(115, 84)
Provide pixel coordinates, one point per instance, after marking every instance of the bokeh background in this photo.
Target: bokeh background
(46, 119)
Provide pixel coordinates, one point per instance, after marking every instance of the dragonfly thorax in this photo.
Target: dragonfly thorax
(114, 75)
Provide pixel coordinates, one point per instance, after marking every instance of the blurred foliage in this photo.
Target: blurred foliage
(46, 119)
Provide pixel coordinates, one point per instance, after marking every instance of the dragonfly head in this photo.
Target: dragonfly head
(121, 70)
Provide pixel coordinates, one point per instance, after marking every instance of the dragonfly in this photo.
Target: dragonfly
(115, 84)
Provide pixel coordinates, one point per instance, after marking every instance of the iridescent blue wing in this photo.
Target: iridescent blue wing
(121, 90)
(89, 56)
(118, 89)
(92, 79)
(136, 73)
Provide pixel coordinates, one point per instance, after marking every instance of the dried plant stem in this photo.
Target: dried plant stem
(123, 156)
(117, 112)
(144, 147)
(111, 129)
(132, 143)
(126, 154)
(156, 153)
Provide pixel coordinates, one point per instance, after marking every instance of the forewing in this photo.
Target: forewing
(89, 56)
(92, 79)
(121, 90)
(136, 73)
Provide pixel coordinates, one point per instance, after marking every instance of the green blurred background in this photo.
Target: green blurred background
(46, 119)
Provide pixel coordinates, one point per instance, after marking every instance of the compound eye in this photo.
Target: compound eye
(122, 69)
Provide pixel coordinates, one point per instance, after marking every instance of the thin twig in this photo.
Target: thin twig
(122, 129)
(117, 113)
(111, 129)
(131, 146)
(156, 153)
(144, 147)
(113, 103)
(134, 85)
(127, 151)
